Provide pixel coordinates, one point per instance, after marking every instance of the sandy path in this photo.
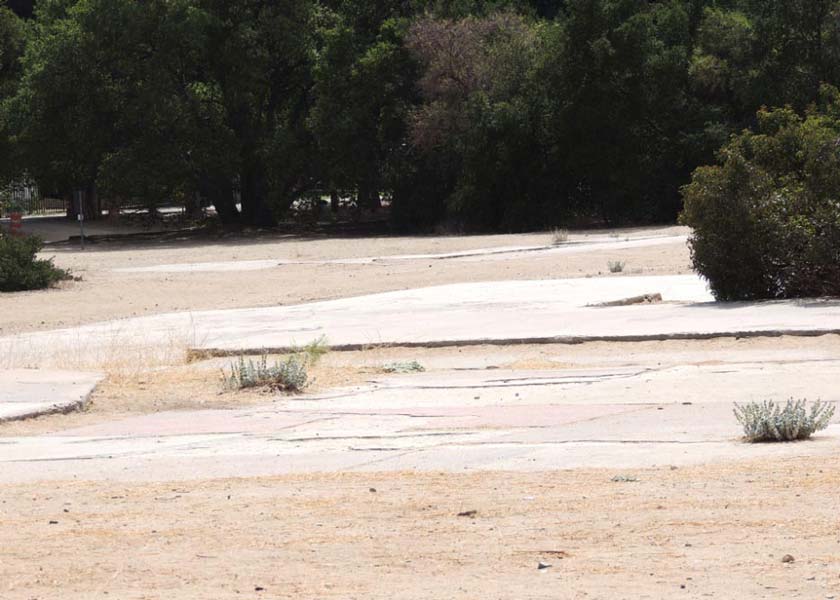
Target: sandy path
(700, 532)
(103, 294)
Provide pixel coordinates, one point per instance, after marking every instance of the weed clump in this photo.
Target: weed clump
(771, 422)
(404, 367)
(559, 236)
(314, 350)
(615, 266)
(290, 375)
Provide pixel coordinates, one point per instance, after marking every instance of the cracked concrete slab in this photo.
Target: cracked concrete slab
(459, 314)
(622, 418)
(30, 393)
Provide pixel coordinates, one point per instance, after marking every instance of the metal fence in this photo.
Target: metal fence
(28, 200)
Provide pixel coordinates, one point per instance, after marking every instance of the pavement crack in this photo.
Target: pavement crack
(589, 441)
(338, 414)
(372, 437)
(513, 382)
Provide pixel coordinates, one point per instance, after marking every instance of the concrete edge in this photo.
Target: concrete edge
(55, 409)
(197, 354)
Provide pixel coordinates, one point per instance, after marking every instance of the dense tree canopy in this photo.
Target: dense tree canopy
(487, 114)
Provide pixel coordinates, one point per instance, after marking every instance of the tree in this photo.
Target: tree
(477, 113)
(257, 82)
(796, 49)
(70, 112)
(363, 86)
(615, 82)
(11, 49)
(157, 100)
(489, 114)
(766, 219)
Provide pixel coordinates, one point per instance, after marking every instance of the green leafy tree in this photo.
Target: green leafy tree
(491, 114)
(476, 117)
(766, 219)
(616, 88)
(78, 98)
(154, 101)
(363, 86)
(11, 49)
(258, 68)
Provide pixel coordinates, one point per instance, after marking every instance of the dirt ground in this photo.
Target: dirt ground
(706, 532)
(103, 294)
(714, 531)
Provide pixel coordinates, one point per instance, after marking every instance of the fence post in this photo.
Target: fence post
(80, 215)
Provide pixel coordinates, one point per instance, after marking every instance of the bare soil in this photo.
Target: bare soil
(708, 532)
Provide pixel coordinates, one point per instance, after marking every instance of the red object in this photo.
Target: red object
(16, 223)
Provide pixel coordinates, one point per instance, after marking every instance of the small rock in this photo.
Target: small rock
(53, 522)
(624, 479)
(541, 565)
(468, 513)
(787, 558)
(259, 588)
(372, 490)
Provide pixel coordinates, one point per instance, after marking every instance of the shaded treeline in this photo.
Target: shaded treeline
(497, 115)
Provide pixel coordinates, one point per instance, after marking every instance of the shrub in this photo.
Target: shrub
(770, 422)
(767, 219)
(289, 375)
(21, 270)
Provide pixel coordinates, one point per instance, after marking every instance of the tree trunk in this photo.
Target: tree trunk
(255, 209)
(368, 198)
(192, 206)
(334, 200)
(93, 207)
(375, 201)
(87, 200)
(114, 205)
(70, 204)
(219, 193)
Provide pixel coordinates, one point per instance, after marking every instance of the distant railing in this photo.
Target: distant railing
(27, 199)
